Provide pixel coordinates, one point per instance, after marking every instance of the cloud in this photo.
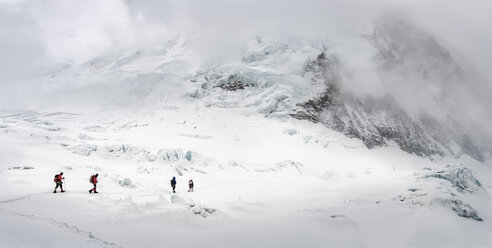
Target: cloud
(21, 51)
(81, 29)
(37, 34)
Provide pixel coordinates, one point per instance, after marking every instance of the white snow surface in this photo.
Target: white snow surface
(262, 179)
(259, 182)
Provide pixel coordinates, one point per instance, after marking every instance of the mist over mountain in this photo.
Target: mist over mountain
(128, 54)
(380, 105)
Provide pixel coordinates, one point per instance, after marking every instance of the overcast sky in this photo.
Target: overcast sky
(36, 33)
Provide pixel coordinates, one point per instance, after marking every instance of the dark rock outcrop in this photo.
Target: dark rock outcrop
(379, 121)
(375, 121)
(235, 85)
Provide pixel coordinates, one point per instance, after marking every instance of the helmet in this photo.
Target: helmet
(61, 173)
(97, 175)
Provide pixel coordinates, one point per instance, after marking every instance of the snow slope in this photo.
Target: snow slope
(284, 144)
(259, 182)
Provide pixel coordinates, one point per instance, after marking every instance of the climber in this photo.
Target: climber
(173, 184)
(93, 180)
(58, 180)
(190, 184)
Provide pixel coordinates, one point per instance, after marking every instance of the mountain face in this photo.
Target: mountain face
(374, 121)
(378, 121)
(283, 77)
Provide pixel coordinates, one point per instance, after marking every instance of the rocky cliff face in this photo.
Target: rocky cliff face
(379, 121)
(376, 121)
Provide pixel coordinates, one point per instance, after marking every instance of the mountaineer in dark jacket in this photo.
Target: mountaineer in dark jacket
(173, 184)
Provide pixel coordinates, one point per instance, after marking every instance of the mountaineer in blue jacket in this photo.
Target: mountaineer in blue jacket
(173, 184)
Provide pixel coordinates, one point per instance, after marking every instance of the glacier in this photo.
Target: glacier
(354, 140)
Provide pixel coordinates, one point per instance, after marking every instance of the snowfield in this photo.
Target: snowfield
(258, 182)
(368, 134)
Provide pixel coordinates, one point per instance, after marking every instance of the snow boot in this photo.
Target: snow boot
(95, 192)
(63, 191)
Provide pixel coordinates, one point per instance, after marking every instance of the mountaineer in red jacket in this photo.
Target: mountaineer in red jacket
(93, 180)
(58, 180)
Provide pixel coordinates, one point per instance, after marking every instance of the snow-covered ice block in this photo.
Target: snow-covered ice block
(291, 132)
(182, 200)
(21, 168)
(126, 182)
(196, 210)
(461, 178)
(170, 155)
(462, 209)
(127, 152)
(83, 149)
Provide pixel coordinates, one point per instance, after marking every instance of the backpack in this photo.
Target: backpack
(56, 177)
(91, 180)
